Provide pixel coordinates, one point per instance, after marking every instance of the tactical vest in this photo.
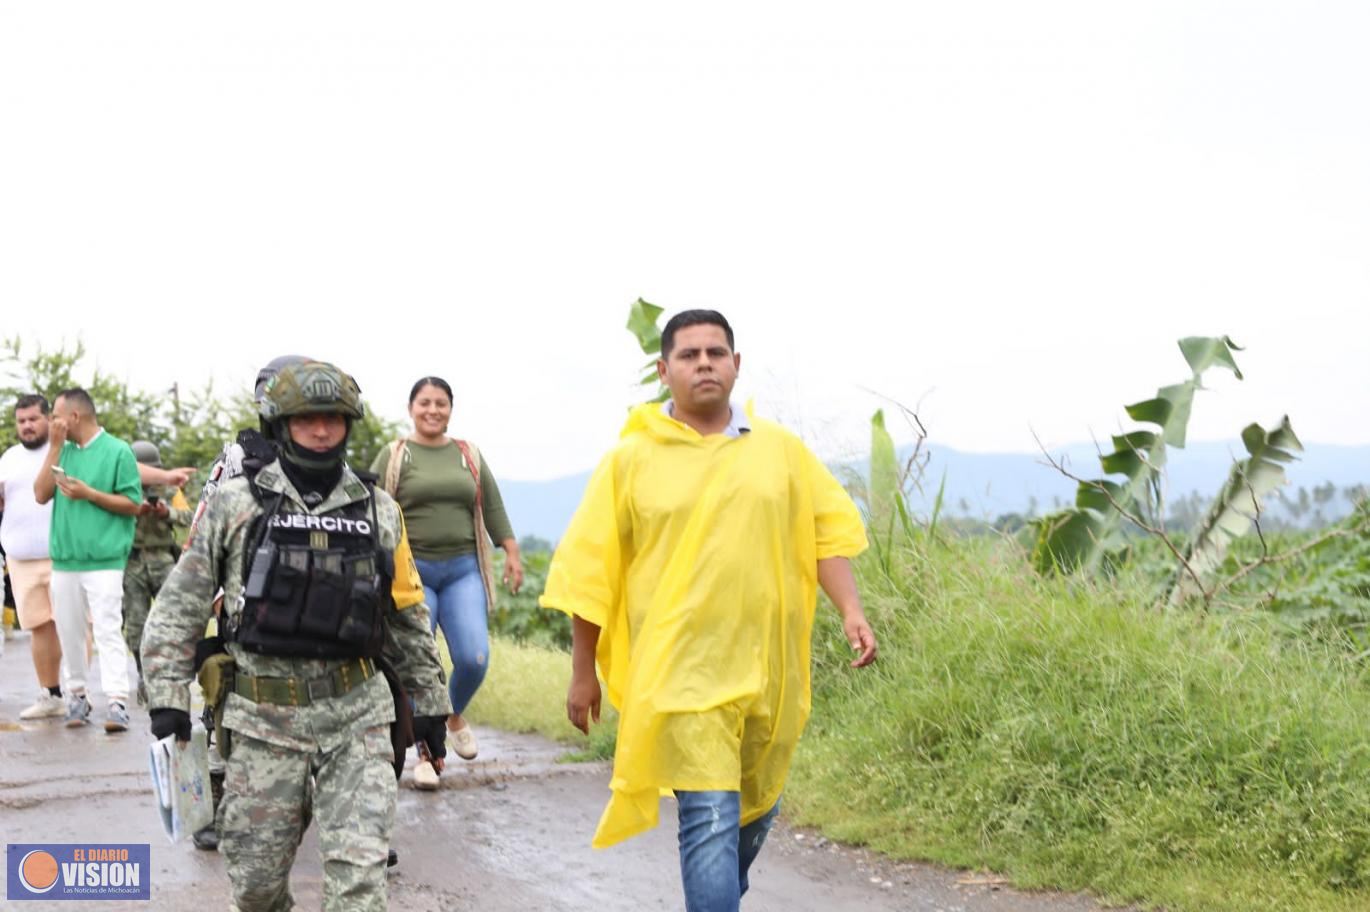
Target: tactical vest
(315, 586)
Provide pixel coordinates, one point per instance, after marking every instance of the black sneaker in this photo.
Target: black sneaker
(206, 838)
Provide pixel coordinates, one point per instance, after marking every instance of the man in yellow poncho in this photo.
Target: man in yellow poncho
(697, 552)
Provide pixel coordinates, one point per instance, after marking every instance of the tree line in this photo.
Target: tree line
(189, 426)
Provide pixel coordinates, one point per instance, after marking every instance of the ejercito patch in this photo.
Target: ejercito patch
(308, 523)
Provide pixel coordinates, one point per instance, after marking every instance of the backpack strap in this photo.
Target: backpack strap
(391, 483)
(472, 457)
(485, 550)
(387, 557)
(256, 447)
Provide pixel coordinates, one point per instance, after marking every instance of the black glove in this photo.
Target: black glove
(167, 721)
(430, 734)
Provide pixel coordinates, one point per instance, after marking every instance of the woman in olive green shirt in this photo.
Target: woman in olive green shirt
(441, 494)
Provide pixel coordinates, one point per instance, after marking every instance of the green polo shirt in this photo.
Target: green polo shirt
(84, 536)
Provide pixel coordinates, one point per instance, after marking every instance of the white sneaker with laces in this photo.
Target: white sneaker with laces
(46, 707)
(425, 777)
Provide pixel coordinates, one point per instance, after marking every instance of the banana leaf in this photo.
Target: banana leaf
(1078, 538)
(1238, 505)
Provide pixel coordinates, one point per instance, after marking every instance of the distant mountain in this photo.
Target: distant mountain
(986, 485)
(542, 508)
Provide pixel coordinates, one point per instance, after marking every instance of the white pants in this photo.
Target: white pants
(95, 597)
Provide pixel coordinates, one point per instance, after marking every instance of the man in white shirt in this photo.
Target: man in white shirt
(24, 536)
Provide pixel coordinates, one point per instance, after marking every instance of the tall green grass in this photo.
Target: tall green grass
(1071, 736)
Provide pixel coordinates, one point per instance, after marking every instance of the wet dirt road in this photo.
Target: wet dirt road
(507, 832)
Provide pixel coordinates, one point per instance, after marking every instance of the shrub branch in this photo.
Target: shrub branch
(1131, 517)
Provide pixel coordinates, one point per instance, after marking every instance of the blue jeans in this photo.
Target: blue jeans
(715, 850)
(456, 599)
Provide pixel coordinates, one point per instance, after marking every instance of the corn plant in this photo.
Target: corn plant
(887, 489)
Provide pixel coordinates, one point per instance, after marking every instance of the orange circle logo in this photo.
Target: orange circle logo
(38, 871)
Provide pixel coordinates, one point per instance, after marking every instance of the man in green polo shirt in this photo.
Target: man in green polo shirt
(94, 477)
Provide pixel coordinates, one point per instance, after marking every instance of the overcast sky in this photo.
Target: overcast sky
(1007, 212)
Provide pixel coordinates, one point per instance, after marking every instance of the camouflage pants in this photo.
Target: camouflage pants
(266, 808)
(143, 577)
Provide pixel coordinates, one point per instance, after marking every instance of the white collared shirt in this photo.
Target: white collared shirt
(737, 419)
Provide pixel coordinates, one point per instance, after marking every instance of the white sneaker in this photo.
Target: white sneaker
(46, 707)
(425, 777)
(463, 742)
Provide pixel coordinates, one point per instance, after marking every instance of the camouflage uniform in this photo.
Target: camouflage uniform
(341, 741)
(154, 554)
(231, 463)
(228, 465)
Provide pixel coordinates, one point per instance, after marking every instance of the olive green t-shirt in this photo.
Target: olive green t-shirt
(438, 497)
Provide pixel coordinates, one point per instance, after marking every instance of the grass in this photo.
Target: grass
(525, 691)
(1066, 735)
(1072, 737)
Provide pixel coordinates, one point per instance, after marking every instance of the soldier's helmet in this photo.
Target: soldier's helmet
(310, 387)
(271, 369)
(145, 451)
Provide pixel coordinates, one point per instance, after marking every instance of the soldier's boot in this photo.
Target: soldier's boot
(207, 837)
(391, 859)
(138, 662)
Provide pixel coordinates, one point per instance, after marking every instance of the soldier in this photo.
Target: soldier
(321, 599)
(154, 553)
(248, 452)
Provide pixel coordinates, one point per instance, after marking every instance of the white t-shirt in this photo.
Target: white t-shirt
(24, 527)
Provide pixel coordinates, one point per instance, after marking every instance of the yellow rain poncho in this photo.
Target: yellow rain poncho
(698, 559)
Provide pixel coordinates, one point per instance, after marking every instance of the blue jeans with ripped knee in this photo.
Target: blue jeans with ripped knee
(715, 850)
(456, 599)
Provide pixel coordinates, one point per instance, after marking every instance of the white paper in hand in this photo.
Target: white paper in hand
(180, 784)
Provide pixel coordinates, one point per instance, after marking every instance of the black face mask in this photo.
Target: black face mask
(313, 473)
